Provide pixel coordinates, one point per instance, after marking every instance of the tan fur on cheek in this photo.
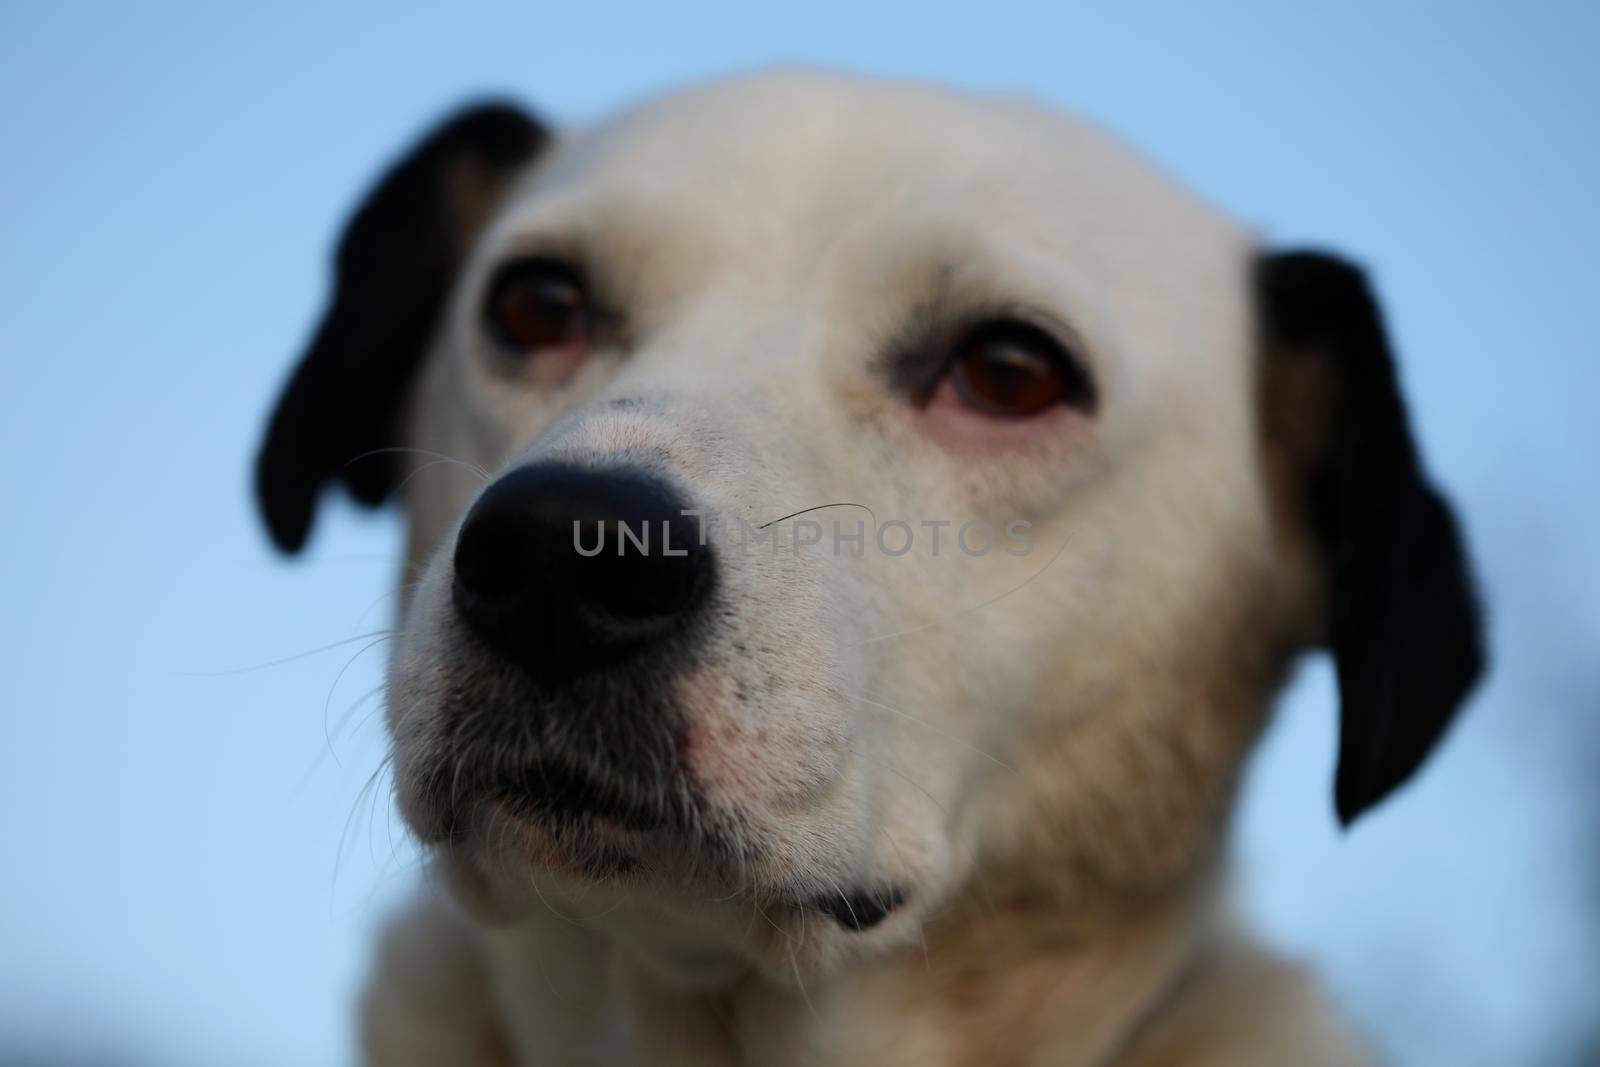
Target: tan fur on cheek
(1128, 797)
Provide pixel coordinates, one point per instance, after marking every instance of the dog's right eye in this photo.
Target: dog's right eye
(536, 304)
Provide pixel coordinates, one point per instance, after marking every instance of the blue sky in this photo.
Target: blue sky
(191, 866)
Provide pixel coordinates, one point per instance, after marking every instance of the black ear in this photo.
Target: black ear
(396, 261)
(1403, 619)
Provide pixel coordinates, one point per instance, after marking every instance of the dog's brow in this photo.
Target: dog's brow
(635, 256)
(908, 359)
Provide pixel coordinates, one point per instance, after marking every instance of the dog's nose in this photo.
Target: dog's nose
(564, 570)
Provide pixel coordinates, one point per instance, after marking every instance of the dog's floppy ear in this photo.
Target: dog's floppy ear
(1403, 621)
(395, 264)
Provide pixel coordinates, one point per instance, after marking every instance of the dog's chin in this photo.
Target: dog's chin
(549, 821)
(511, 855)
(500, 837)
(673, 912)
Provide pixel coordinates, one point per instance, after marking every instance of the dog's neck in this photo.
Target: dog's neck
(1019, 973)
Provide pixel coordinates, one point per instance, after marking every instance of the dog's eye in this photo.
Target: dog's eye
(1011, 369)
(538, 303)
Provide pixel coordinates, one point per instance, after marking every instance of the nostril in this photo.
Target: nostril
(564, 569)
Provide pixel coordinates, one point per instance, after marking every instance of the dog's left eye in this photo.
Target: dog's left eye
(1012, 369)
(537, 303)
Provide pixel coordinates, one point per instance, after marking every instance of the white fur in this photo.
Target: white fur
(1047, 776)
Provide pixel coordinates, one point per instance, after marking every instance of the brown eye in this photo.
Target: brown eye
(537, 303)
(1012, 370)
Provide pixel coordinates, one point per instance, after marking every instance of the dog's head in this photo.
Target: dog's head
(819, 489)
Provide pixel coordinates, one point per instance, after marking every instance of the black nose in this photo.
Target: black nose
(564, 570)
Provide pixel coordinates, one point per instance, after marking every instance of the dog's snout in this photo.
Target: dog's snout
(564, 570)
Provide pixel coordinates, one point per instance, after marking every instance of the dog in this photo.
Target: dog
(719, 753)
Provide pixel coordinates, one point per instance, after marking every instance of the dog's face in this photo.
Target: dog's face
(824, 488)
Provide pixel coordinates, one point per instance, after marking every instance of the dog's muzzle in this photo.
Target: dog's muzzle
(565, 571)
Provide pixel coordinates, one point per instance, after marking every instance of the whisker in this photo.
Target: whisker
(905, 869)
(787, 937)
(324, 751)
(913, 783)
(396, 591)
(366, 793)
(403, 482)
(328, 703)
(569, 920)
(338, 727)
(751, 924)
(844, 683)
(296, 656)
(820, 507)
(844, 897)
(933, 730)
(794, 962)
(473, 467)
(538, 959)
(976, 607)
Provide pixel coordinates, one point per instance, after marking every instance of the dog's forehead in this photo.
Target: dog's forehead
(815, 152)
